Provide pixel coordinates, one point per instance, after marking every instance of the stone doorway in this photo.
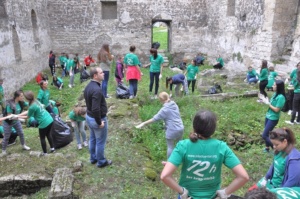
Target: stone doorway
(163, 22)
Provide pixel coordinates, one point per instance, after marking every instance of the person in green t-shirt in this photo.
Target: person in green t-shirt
(44, 96)
(192, 71)
(2, 99)
(271, 78)
(63, 62)
(251, 75)
(220, 63)
(43, 118)
(263, 78)
(77, 117)
(14, 107)
(202, 158)
(156, 67)
(275, 105)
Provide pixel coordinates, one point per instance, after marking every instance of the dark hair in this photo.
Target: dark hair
(280, 88)
(17, 94)
(80, 110)
(260, 193)
(93, 71)
(298, 65)
(271, 68)
(195, 61)
(167, 81)
(154, 52)
(102, 55)
(42, 83)
(283, 133)
(29, 96)
(204, 125)
(132, 48)
(264, 64)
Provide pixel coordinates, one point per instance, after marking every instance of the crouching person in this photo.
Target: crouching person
(202, 158)
(77, 117)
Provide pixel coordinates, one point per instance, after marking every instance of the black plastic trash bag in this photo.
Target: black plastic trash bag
(84, 76)
(60, 132)
(122, 92)
(155, 45)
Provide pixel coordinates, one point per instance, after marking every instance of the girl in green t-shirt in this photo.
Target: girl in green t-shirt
(202, 157)
(77, 117)
(263, 78)
(191, 72)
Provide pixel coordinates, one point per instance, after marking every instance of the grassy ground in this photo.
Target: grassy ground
(132, 150)
(160, 34)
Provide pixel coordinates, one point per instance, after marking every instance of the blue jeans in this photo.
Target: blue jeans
(79, 130)
(154, 75)
(105, 82)
(133, 86)
(63, 71)
(251, 79)
(269, 126)
(97, 140)
(7, 133)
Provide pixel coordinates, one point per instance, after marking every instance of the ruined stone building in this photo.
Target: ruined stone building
(243, 32)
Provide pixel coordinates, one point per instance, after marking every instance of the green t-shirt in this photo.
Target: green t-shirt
(17, 110)
(42, 116)
(296, 85)
(1, 93)
(54, 107)
(131, 59)
(293, 75)
(77, 118)
(62, 60)
(252, 73)
(221, 61)
(271, 79)
(277, 102)
(192, 71)
(43, 97)
(287, 192)
(263, 74)
(279, 166)
(156, 63)
(70, 64)
(202, 164)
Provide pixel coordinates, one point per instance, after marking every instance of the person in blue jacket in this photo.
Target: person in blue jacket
(177, 80)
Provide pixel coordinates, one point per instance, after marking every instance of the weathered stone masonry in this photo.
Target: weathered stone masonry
(243, 31)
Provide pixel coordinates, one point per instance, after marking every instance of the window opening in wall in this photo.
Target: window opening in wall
(160, 34)
(109, 9)
(35, 29)
(16, 44)
(231, 8)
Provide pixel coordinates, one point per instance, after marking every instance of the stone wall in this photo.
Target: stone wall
(243, 32)
(22, 56)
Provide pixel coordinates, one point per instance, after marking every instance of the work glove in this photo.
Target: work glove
(160, 76)
(222, 194)
(265, 100)
(185, 194)
(140, 125)
(263, 182)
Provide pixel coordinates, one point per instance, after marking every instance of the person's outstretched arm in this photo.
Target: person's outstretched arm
(144, 123)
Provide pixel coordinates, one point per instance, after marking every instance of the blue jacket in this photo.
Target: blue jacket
(292, 171)
(177, 79)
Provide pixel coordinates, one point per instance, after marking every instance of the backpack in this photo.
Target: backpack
(11, 103)
(215, 89)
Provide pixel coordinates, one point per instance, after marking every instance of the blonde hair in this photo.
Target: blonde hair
(163, 96)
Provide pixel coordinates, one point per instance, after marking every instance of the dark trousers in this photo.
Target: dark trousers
(154, 76)
(193, 84)
(269, 126)
(105, 82)
(133, 87)
(296, 107)
(49, 109)
(52, 69)
(290, 97)
(46, 132)
(262, 87)
(218, 66)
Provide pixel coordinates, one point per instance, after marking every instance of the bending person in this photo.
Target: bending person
(77, 117)
(202, 158)
(178, 79)
(171, 116)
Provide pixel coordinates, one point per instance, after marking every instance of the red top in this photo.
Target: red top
(38, 78)
(88, 60)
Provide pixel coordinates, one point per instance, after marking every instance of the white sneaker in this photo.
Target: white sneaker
(79, 146)
(131, 97)
(155, 96)
(85, 143)
(289, 122)
(4, 152)
(27, 148)
(245, 80)
(297, 122)
(290, 112)
(70, 86)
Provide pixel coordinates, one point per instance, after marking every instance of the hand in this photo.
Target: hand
(266, 101)
(73, 124)
(13, 117)
(263, 182)
(140, 125)
(222, 194)
(160, 76)
(185, 194)
(170, 95)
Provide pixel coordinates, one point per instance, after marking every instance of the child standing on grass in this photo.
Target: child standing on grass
(271, 78)
(192, 71)
(77, 117)
(173, 122)
(119, 72)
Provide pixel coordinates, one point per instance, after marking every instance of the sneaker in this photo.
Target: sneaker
(296, 122)
(289, 122)
(4, 152)
(70, 86)
(79, 146)
(131, 97)
(85, 143)
(155, 96)
(52, 150)
(290, 112)
(26, 147)
(245, 80)
(107, 163)
(12, 143)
